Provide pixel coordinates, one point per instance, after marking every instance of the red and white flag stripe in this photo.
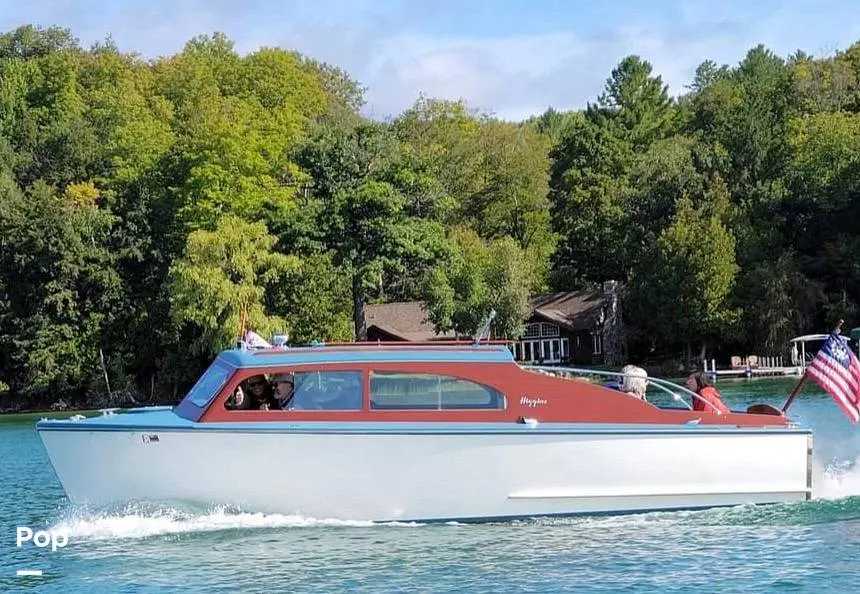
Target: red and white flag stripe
(838, 376)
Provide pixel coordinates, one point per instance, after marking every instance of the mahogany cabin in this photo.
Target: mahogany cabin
(360, 382)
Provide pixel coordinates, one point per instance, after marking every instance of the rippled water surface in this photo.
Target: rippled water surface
(805, 547)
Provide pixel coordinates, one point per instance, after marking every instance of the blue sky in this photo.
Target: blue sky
(513, 58)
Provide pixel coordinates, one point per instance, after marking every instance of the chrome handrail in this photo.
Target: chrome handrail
(665, 385)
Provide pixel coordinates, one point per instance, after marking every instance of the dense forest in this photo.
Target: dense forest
(147, 206)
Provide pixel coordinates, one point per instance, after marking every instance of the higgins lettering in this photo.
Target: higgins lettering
(532, 402)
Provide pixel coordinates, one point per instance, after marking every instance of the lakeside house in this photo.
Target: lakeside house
(569, 327)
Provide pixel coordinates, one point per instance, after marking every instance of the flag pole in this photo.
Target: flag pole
(799, 385)
(243, 319)
(794, 392)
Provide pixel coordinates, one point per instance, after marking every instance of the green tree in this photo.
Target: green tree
(366, 221)
(695, 256)
(226, 277)
(636, 103)
(588, 183)
(780, 302)
(315, 300)
(511, 200)
(58, 291)
(480, 276)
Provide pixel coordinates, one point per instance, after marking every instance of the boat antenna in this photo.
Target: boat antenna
(485, 327)
(243, 322)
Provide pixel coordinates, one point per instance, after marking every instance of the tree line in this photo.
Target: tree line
(150, 206)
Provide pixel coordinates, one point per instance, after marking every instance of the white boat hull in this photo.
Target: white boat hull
(451, 474)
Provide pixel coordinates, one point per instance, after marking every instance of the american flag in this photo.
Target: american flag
(836, 369)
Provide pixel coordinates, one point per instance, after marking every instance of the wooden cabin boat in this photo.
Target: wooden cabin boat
(425, 432)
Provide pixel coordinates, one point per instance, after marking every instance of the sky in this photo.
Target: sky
(511, 58)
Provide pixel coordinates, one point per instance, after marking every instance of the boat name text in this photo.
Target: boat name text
(532, 402)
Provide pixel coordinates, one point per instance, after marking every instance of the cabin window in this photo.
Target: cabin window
(409, 391)
(305, 390)
(209, 384)
(327, 390)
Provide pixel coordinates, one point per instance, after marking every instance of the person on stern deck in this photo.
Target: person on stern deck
(635, 381)
(709, 399)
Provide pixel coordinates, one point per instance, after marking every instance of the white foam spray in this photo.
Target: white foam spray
(134, 523)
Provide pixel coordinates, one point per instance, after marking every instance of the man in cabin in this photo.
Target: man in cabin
(709, 399)
(283, 383)
(255, 393)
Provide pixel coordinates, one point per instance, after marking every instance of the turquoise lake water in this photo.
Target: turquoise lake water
(804, 547)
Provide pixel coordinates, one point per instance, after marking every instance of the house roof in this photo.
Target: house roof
(406, 320)
(575, 310)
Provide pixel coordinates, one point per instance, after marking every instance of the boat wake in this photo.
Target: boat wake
(145, 521)
(839, 479)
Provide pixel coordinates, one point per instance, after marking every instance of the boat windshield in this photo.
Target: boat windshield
(212, 380)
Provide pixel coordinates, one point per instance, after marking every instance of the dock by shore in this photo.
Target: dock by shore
(771, 367)
(756, 372)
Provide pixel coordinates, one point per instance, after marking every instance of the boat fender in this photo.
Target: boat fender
(530, 421)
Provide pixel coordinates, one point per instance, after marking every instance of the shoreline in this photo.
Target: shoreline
(13, 415)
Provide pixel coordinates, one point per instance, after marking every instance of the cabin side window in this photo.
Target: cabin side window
(327, 390)
(303, 390)
(409, 391)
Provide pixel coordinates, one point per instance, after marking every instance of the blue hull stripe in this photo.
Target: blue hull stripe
(409, 429)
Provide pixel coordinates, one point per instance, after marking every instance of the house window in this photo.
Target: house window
(549, 330)
(552, 350)
(394, 390)
(532, 331)
(597, 344)
(527, 351)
